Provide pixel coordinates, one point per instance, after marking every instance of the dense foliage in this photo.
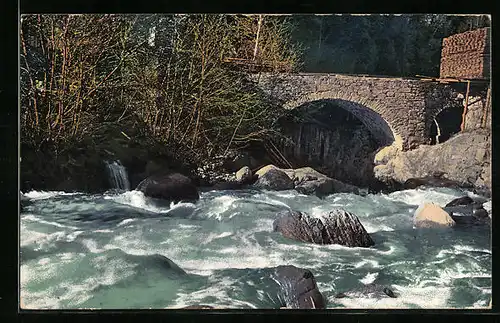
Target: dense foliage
(397, 45)
(160, 75)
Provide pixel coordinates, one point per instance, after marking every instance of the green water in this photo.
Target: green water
(101, 251)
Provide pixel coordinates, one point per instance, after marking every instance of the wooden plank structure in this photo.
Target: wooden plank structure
(486, 109)
(462, 125)
(466, 55)
(450, 79)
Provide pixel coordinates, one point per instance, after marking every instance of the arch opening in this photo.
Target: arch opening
(337, 137)
(446, 124)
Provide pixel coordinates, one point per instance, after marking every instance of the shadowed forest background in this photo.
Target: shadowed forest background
(140, 87)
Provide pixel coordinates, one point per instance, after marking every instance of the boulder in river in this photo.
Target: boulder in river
(336, 227)
(430, 215)
(298, 288)
(244, 174)
(309, 181)
(274, 179)
(265, 169)
(433, 181)
(244, 178)
(464, 200)
(173, 187)
(467, 215)
(467, 220)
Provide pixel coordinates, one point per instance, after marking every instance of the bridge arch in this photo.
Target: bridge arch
(337, 137)
(371, 114)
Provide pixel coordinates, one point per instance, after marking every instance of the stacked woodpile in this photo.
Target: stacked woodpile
(466, 55)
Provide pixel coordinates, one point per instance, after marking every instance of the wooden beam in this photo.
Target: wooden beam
(486, 108)
(462, 125)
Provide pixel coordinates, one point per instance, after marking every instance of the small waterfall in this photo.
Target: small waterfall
(118, 177)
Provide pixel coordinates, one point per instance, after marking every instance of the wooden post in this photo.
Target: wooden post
(257, 38)
(486, 108)
(462, 125)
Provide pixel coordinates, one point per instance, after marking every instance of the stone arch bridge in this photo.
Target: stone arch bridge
(397, 111)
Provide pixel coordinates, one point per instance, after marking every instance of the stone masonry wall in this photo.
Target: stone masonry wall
(408, 106)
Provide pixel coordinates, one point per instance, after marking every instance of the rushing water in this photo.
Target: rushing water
(102, 251)
(118, 176)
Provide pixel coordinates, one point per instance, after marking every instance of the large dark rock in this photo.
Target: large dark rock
(434, 181)
(470, 220)
(336, 227)
(464, 200)
(370, 290)
(466, 211)
(298, 288)
(469, 215)
(172, 187)
(274, 179)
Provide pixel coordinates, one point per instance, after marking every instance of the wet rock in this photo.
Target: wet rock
(433, 181)
(274, 179)
(244, 174)
(466, 213)
(468, 220)
(369, 290)
(298, 288)
(172, 187)
(479, 212)
(309, 181)
(430, 215)
(265, 169)
(336, 227)
(465, 159)
(464, 200)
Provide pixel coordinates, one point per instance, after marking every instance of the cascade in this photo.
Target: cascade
(118, 177)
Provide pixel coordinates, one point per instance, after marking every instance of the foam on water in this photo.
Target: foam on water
(440, 196)
(460, 249)
(235, 231)
(367, 263)
(222, 204)
(137, 200)
(33, 218)
(41, 195)
(487, 206)
(215, 290)
(408, 297)
(369, 278)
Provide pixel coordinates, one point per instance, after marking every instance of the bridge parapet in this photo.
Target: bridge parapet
(407, 106)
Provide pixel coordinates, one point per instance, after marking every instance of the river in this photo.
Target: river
(105, 251)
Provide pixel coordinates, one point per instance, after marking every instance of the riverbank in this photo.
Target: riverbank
(462, 161)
